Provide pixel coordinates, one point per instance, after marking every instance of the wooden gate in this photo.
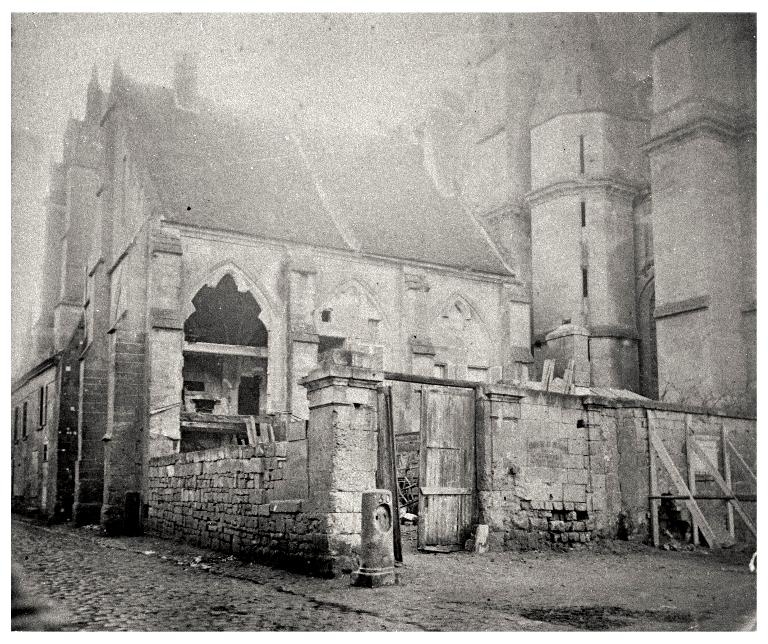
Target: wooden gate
(443, 412)
(447, 480)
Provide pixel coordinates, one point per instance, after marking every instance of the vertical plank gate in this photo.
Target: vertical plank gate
(447, 479)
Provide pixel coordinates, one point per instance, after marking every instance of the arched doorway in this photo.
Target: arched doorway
(225, 367)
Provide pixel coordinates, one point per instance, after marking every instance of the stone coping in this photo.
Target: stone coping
(232, 452)
(665, 406)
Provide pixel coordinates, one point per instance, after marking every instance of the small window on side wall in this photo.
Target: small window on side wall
(42, 406)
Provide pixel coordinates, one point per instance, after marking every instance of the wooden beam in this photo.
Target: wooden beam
(431, 380)
(421, 533)
(224, 418)
(723, 485)
(750, 498)
(396, 534)
(386, 470)
(729, 483)
(741, 460)
(214, 348)
(691, 476)
(678, 481)
(654, 485)
(445, 491)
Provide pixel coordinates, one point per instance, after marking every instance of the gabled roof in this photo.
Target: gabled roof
(40, 367)
(214, 168)
(391, 206)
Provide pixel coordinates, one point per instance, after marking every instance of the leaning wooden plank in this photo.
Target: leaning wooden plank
(729, 483)
(741, 460)
(677, 479)
(691, 475)
(723, 485)
(390, 431)
(654, 487)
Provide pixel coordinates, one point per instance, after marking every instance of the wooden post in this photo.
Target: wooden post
(386, 470)
(653, 483)
(727, 472)
(723, 486)
(393, 465)
(691, 476)
(423, 440)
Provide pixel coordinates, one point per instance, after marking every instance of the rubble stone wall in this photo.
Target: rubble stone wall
(230, 499)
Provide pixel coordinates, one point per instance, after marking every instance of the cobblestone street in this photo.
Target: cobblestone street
(148, 584)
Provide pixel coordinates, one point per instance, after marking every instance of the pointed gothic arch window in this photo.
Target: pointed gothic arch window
(224, 315)
(225, 366)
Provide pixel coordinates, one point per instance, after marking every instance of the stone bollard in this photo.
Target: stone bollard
(377, 558)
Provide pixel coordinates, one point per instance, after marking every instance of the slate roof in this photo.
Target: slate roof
(217, 169)
(391, 206)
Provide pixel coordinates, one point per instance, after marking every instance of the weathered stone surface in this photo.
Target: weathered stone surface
(220, 499)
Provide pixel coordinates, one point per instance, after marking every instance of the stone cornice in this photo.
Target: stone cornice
(697, 117)
(593, 331)
(570, 187)
(342, 376)
(626, 115)
(204, 233)
(517, 292)
(613, 331)
(591, 401)
(688, 305)
(503, 393)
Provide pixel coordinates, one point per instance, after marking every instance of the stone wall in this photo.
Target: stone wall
(32, 439)
(556, 468)
(294, 503)
(551, 469)
(227, 499)
(539, 483)
(630, 482)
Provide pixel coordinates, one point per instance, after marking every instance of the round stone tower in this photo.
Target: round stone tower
(587, 165)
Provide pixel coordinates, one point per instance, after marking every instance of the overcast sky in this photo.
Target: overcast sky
(342, 72)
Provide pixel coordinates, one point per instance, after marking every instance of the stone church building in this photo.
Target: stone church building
(198, 261)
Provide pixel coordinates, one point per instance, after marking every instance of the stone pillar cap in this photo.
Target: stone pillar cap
(565, 330)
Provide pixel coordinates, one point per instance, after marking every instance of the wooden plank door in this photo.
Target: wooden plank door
(447, 469)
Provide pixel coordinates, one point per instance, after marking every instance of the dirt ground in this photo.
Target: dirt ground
(609, 586)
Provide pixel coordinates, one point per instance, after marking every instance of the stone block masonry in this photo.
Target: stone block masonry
(224, 499)
(557, 469)
(236, 499)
